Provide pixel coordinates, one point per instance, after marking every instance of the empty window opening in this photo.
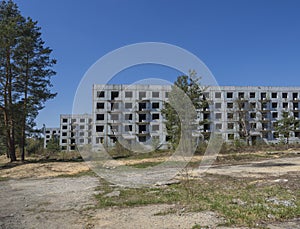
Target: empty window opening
(114, 95)
(155, 105)
(100, 94)
(155, 94)
(155, 116)
(99, 128)
(128, 94)
(128, 116)
(100, 117)
(229, 95)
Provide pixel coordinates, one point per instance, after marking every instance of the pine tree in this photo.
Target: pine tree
(186, 123)
(25, 73)
(286, 125)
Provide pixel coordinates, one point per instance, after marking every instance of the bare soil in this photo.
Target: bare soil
(41, 195)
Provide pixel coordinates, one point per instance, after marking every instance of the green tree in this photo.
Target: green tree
(25, 74)
(187, 123)
(242, 112)
(286, 125)
(53, 145)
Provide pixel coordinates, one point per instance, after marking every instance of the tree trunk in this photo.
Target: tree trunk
(10, 127)
(24, 115)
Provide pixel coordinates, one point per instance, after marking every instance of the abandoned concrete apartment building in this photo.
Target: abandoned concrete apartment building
(133, 113)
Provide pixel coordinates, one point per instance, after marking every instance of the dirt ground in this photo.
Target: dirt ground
(39, 195)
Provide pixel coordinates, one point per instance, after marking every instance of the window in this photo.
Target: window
(128, 116)
(274, 95)
(142, 138)
(230, 136)
(155, 94)
(241, 95)
(284, 95)
(142, 128)
(81, 127)
(252, 115)
(114, 95)
(218, 115)
(64, 134)
(229, 95)
(167, 94)
(63, 148)
(114, 129)
(128, 105)
(218, 126)
(128, 128)
(155, 105)
(64, 127)
(230, 125)
(205, 95)
(114, 117)
(82, 120)
(229, 115)
(229, 105)
(155, 128)
(114, 106)
(252, 95)
(142, 94)
(100, 117)
(274, 115)
(263, 95)
(155, 116)
(81, 134)
(128, 94)
(253, 125)
(285, 105)
(100, 105)
(252, 105)
(295, 96)
(295, 106)
(81, 140)
(99, 140)
(217, 95)
(100, 94)
(64, 141)
(73, 120)
(218, 105)
(274, 105)
(65, 120)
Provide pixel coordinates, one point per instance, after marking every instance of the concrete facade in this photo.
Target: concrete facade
(49, 134)
(75, 130)
(263, 105)
(132, 114)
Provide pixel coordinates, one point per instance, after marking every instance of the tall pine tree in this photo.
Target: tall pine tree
(25, 74)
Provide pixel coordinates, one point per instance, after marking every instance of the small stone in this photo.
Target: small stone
(113, 194)
(238, 202)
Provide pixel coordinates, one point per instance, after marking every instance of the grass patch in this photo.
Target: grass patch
(239, 201)
(4, 179)
(80, 174)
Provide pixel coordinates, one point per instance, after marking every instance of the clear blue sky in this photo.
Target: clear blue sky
(255, 42)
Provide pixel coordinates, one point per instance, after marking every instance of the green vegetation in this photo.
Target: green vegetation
(242, 202)
(180, 110)
(286, 125)
(25, 74)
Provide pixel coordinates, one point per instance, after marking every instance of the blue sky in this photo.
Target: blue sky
(255, 42)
